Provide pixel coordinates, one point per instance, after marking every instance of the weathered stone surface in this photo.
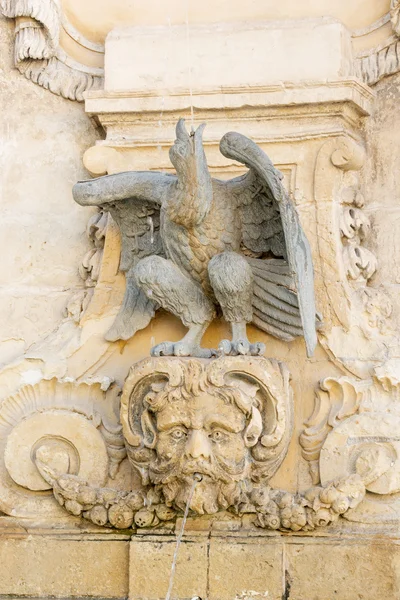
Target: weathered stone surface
(61, 567)
(348, 570)
(325, 51)
(43, 138)
(255, 569)
(150, 567)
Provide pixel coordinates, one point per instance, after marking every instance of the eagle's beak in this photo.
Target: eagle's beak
(180, 131)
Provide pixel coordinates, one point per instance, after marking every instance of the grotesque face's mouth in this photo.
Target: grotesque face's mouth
(205, 471)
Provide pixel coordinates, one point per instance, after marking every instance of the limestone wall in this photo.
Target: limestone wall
(382, 186)
(42, 236)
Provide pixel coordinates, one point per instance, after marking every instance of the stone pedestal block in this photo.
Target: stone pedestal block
(244, 568)
(150, 567)
(63, 567)
(226, 54)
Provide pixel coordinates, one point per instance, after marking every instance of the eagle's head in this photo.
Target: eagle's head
(187, 154)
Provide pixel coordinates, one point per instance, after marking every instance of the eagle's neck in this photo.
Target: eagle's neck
(192, 200)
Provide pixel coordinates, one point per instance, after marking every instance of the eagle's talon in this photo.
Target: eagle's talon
(181, 349)
(257, 349)
(163, 349)
(241, 346)
(224, 347)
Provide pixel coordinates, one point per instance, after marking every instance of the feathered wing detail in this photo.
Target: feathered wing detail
(262, 229)
(275, 304)
(135, 313)
(139, 225)
(133, 200)
(283, 302)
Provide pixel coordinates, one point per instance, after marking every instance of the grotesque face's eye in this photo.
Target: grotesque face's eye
(218, 436)
(178, 434)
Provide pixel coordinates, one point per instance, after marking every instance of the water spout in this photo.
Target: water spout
(196, 479)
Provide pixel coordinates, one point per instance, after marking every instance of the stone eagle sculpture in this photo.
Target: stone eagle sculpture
(197, 246)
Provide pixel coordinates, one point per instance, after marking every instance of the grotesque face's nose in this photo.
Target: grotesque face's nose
(198, 445)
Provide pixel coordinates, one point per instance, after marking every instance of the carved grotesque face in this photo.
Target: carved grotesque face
(204, 434)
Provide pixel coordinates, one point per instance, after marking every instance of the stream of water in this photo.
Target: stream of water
(196, 479)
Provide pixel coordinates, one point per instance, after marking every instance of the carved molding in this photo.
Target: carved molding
(37, 53)
(39, 56)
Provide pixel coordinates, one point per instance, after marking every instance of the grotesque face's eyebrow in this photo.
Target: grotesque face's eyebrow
(221, 422)
(164, 422)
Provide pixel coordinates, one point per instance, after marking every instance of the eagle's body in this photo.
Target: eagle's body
(192, 248)
(232, 246)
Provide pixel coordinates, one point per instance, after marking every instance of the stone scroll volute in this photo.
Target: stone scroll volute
(354, 430)
(73, 427)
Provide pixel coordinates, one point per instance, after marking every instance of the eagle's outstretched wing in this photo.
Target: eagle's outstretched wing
(271, 225)
(133, 200)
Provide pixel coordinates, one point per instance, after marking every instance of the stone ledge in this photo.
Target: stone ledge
(141, 126)
(285, 93)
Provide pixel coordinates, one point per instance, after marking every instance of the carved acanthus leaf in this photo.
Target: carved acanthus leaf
(37, 34)
(336, 400)
(378, 308)
(360, 263)
(37, 52)
(354, 223)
